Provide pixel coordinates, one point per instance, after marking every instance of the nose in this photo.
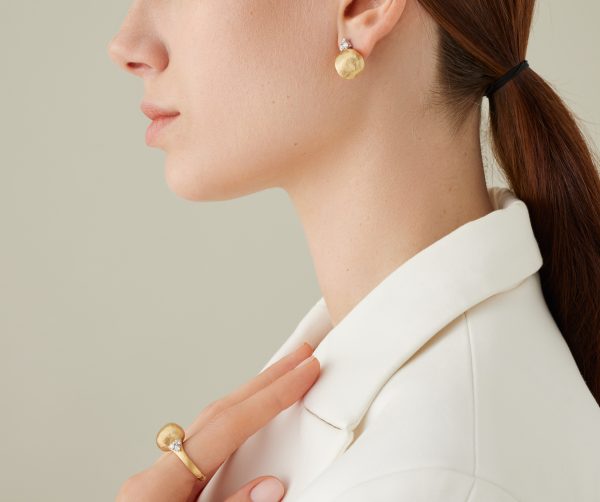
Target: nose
(123, 57)
(137, 48)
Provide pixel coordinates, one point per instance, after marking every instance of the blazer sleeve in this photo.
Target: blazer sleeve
(425, 485)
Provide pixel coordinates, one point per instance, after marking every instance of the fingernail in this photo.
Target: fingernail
(301, 346)
(269, 490)
(306, 361)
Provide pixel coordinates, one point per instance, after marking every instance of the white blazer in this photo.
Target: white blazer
(448, 382)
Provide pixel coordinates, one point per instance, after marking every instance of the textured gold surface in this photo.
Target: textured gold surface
(165, 437)
(167, 434)
(349, 63)
(190, 464)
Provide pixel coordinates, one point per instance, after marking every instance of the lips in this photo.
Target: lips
(154, 112)
(161, 117)
(157, 125)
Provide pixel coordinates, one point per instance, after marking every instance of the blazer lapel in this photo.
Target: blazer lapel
(479, 259)
(388, 326)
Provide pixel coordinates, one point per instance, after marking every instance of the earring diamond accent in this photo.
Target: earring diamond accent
(345, 44)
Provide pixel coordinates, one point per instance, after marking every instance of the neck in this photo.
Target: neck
(375, 200)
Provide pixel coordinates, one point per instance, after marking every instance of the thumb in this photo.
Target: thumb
(263, 489)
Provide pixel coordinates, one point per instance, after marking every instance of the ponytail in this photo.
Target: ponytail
(549, 166)
(542, 152)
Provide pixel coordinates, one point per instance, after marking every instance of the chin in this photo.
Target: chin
(196, 184)
(188, 187)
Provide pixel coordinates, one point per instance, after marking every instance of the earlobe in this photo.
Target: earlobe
(365, 22)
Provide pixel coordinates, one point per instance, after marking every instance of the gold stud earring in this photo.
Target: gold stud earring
(349, 62)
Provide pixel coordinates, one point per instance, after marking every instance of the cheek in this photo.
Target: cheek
(254, 103)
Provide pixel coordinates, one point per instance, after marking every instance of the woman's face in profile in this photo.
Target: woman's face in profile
(254, 83)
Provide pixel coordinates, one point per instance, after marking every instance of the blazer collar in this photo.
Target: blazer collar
(479, 259)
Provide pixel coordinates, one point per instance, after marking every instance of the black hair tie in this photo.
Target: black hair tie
(508, 76)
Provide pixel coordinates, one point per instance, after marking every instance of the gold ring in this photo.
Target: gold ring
(170, 438)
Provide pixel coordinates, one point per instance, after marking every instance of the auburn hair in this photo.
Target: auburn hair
(541, 151)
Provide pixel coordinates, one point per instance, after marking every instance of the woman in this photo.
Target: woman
(457, 341)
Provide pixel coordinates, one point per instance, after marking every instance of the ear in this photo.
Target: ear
(365, 22)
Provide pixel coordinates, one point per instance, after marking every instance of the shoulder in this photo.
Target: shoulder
(427, 484)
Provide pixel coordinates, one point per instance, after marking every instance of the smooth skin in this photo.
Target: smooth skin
(221, 428)
(371, 165)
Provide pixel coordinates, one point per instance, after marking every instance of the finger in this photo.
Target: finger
(263, 489)
(264, 378)
(226, 432)
(260, 381)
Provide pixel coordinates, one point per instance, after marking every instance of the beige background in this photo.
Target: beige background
(123, 307)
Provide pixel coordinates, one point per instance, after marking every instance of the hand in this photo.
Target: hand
(221, 428)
